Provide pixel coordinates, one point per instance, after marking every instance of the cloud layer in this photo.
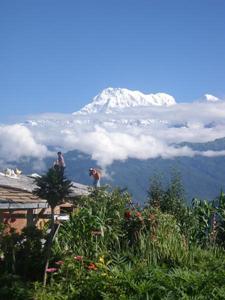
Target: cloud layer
(17, 141)
(140, 133)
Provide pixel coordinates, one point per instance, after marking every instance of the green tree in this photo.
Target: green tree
(170, 199)
(155, 192)
(174, 199)
(53, 187)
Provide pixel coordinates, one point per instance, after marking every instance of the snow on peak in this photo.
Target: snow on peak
(111, 99)
(211, 98)
(207, 98)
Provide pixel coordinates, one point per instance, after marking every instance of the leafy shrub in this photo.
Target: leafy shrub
(137, 281)
(170, 200)
(95, 226)
(12, 287)
(23, 253)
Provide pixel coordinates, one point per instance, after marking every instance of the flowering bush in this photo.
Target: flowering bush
(112, 250)
(133, 225)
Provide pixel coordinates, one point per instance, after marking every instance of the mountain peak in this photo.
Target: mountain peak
(211, 98)
(208, 98)
(111, 99)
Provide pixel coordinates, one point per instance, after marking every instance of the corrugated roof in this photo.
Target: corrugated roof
(21, 182)
(18, 190)
(10, 194)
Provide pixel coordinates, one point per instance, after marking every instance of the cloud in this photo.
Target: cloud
(139, 133)
(17, 141)
(105, 146)
(211, 153)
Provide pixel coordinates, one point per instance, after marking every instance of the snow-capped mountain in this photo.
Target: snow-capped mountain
(123, 109)
(114, 99)
(140, 131)
(207, 98)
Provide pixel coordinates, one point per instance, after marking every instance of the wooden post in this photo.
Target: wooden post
(30, 217)
(1, 216)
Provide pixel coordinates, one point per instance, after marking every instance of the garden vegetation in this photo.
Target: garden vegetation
(113, 249)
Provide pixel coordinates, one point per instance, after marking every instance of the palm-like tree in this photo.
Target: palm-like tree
(53, 187)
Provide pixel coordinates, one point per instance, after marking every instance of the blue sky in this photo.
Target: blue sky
(55, 55)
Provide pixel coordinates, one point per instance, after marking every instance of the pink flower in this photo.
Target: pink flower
(51, 270)
(59, 263)
(78, 258)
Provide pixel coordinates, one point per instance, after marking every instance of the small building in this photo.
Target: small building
(20, 208)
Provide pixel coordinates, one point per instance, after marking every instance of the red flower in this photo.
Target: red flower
(51, 270)
(92, 266)
(138, 214)
(127, 214)
(78, 258)
(59, 263)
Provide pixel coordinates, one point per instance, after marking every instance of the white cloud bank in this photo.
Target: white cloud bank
(17, 141)
(140, 133)
(106, 146)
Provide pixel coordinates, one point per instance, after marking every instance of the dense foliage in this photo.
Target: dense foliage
(113, 249)
(53, 187)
